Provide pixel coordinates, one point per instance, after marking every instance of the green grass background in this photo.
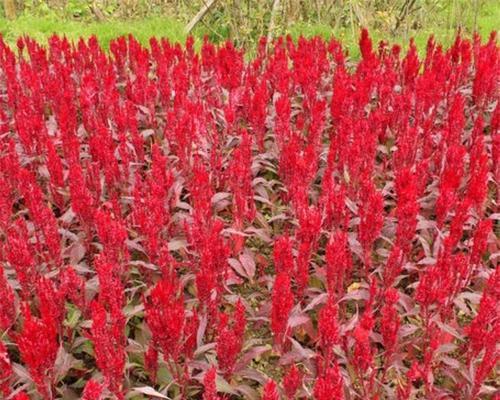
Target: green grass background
(442, 23)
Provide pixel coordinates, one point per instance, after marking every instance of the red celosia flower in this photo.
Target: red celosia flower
(407, 208)
(333, 199)
(478, 171)
(150, 201)
(389, 324)
(292, 381)
(457, 225)
(393, 266)
(54, 165)
(411, 64)
(454, 126)
(283, 255)
(363, 352)
(441, 282)
(241, 181)
(365, 44)
(20, 255)
(151, 362)
(307, 236)
(450, 181)
(165, 316)
(50, 302)
(486, 65)
(82, 202)
(7, 305)
(282, 303)
(211, 271)
(372, 218)
(112, 234)
(485, 326)
(73, 287)
(21, 396)
(111, 291)
(41, 215)
(210, 392)
(329, 385)
(487, 364)
(338, 262)
(108, 336)
(328, 328)
(201, 191)
(38, 345)
(413, 374)
(6, 371)
(258, 111)
(93, 391)
(230, 339)
(190, 334)
(480, 240)
(270, 391)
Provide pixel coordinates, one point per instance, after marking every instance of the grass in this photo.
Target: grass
(40, 28)
(439, 25)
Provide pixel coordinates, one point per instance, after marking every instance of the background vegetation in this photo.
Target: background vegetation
(245, 20)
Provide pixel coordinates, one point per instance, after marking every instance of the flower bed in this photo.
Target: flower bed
(183, 224)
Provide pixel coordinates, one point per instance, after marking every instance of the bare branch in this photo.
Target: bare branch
(197, 18)
(274, 10)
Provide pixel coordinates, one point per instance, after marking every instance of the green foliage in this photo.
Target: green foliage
(41, 28)
(245, 20)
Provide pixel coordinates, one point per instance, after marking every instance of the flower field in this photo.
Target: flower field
(294, 224)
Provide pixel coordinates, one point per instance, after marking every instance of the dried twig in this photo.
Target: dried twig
(97, 12)
(10, 9)
(197, 18)
(405, 10)
(274, 10)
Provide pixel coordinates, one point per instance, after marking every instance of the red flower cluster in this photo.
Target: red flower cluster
(205, 224)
